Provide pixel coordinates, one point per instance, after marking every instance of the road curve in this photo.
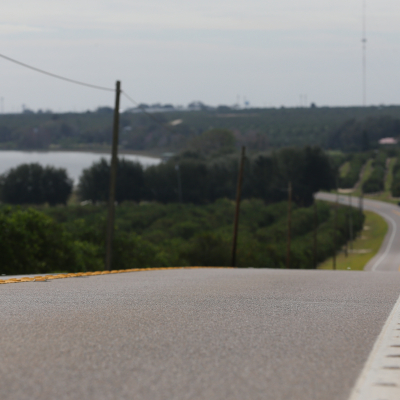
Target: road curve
(210, 334)
(388, 257)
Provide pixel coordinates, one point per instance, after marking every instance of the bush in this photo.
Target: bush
(153, 235)
(208, 249)
(31, 242)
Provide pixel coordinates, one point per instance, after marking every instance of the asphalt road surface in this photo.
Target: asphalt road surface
(388, 258)
(192, 334)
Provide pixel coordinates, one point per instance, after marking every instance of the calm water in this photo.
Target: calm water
(73, 161)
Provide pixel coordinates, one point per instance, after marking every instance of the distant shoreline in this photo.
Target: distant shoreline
(105, 151)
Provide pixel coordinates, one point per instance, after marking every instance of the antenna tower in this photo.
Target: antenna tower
(364, 52)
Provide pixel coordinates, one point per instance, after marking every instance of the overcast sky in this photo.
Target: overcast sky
(176, 51)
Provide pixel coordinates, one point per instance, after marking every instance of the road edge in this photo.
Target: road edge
(380, 377)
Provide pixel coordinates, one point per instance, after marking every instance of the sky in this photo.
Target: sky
(270, 53)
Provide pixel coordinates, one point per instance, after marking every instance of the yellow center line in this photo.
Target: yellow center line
(396, 212)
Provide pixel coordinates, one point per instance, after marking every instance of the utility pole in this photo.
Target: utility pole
(289, 236)
(315, 244)
(178, 172)
(113, 177)
(360, 204)
(350, 222)
(238, 197)
(335, 226)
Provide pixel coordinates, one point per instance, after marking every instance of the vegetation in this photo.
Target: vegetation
(347, 129)
(34, 184)
(31, 242)
(205, 180)
(351, 174)
(376, 181)
(396, 179)
(363, 134)
(364, 247)
(151, 234)
(94, 182)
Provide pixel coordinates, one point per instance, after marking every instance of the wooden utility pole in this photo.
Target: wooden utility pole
(178, 172)
(113, 177)
(238, 197)
(335, 227)
(289, 236)
(315, 244)
(350, 223)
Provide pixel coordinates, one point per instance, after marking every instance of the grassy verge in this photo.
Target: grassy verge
(364, 247)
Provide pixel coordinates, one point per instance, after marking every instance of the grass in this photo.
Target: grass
(364, 247)
(344, 169)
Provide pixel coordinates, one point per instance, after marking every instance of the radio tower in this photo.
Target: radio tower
(364, 53)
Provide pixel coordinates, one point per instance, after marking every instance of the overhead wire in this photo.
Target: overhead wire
(87, 85)
(55, 75)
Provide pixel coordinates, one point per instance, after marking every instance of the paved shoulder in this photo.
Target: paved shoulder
(192, 334)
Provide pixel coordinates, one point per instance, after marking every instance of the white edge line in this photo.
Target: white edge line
(362, 380)
(389, 245)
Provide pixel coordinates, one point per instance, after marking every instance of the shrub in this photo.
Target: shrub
(31, 242)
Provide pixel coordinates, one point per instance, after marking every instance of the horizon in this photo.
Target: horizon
(185, 108)
(270, 55)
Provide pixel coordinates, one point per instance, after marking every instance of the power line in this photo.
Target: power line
(55, 75)
(85, 84)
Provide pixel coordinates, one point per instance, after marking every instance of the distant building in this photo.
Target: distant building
(388, 141)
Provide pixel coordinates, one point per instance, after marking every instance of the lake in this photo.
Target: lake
(73, 161)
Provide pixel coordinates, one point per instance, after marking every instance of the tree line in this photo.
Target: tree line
(346, 128)
(187, 178)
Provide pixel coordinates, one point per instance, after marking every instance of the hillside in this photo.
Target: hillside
(260, 129)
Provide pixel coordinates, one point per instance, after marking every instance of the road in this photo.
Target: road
(388, 258)
(210, 334)
(192, 334)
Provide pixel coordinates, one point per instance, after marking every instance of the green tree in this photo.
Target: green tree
(57, 186)
(94, 182)
(33, 184)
